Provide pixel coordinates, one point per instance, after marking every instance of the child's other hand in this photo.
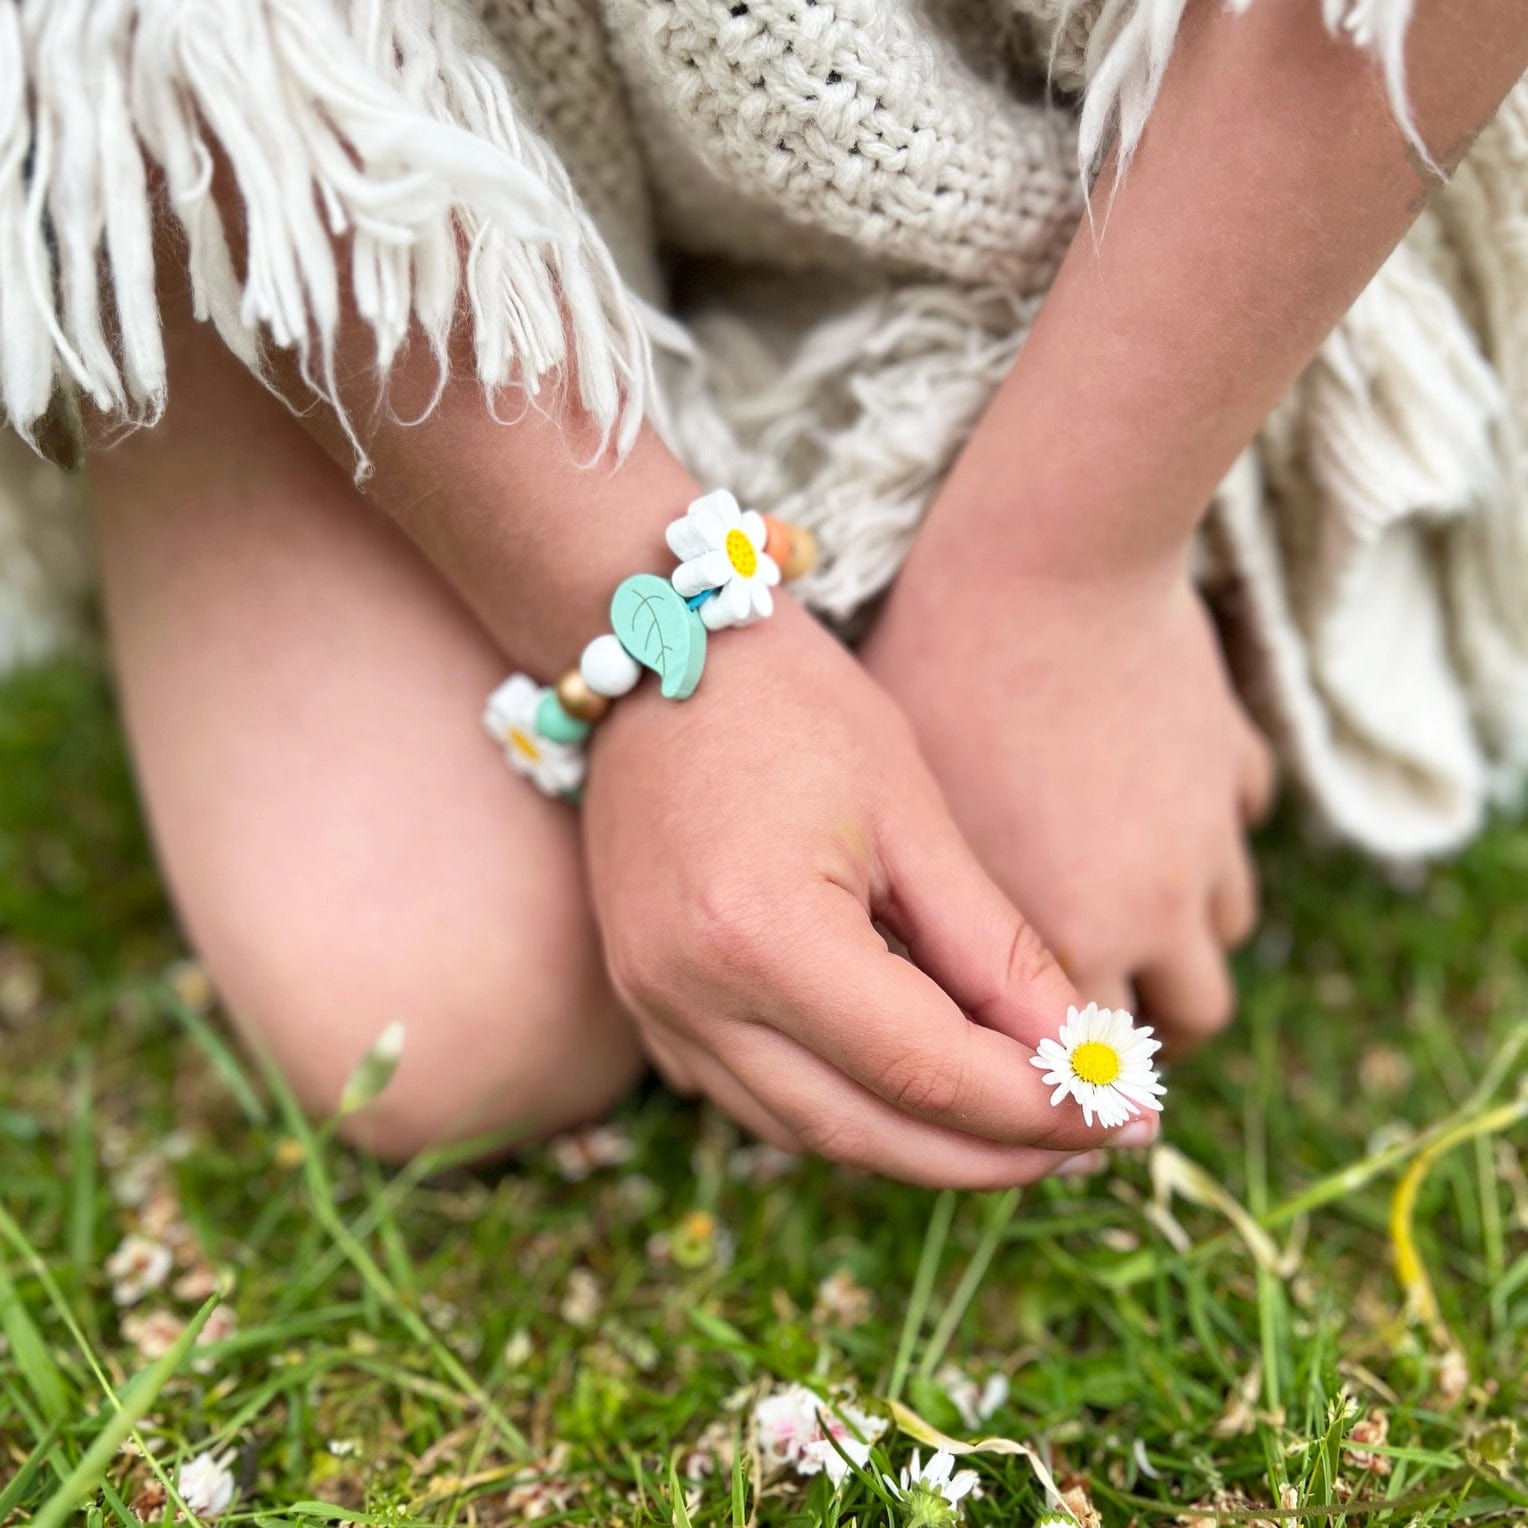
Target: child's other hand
(1092, 751)
(741, 844)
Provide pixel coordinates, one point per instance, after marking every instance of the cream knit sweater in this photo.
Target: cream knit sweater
(805, 238)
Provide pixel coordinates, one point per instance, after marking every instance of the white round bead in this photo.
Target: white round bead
(607, 667)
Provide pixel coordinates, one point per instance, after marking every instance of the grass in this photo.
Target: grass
(451, 1346)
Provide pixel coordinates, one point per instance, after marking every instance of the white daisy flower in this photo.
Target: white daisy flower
(510, 717)
(1104, 1061)
(933, 1492)
(206, 1484)
(721, 547)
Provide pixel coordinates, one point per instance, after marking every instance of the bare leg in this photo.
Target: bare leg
(344, 845)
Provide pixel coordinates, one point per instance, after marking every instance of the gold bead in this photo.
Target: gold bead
(802, 557)
(578, 700)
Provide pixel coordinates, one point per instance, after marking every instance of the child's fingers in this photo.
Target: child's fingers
(881, 1021)
(1234, 901)
(960, 928)
(1257, 776)
(1189, 992)
(769, 1079)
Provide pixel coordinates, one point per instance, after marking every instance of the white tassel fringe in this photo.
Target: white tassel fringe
(372, 148)
(1132, 41)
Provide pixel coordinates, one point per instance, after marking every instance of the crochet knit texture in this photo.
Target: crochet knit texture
(649, 180)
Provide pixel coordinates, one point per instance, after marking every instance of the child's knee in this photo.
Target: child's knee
(517, 1043)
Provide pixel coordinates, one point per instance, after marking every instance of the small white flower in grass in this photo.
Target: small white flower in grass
(206, 1484)
(577, 1153)
(138, 1265)
(786, 1424)
(721, 547)
(932, 1493)
(510, 717)
(1103, 1060)
(793, 1424)
(583, 1299)
(153, 1333)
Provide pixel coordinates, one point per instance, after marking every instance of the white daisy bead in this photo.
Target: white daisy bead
(607, 667)
(721, 548)
(556, 769)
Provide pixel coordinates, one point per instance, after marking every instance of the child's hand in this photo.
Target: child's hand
(1092, 751)
(740, 844)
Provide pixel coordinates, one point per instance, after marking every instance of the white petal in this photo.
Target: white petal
(961, 1487)
(761, 599)
(939, 1468)
(701, 573)
(739, 605)
(710, 520)
(686, 539)
(714, 614)
(769, 569)
(754, 528)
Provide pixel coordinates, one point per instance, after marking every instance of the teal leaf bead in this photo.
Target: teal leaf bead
(659, 630)
(554, 723)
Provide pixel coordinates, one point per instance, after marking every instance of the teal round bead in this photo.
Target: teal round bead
(554, 723)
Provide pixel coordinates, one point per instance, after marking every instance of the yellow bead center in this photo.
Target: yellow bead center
(525, 745)
(741, 555)
(1095, 1062)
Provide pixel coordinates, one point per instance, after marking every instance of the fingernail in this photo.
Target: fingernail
(1083, 1165)
(1141, 1132)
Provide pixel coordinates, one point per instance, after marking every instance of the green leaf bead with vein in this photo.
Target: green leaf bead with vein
(658, 628)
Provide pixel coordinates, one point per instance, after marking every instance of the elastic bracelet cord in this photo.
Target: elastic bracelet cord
(729, 561)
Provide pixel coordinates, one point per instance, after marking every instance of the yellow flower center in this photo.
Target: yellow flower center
(1095, 1062)
(525, 745)
(741, 555)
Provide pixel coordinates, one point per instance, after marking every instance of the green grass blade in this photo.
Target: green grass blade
(30, 1352)
(140, 1393)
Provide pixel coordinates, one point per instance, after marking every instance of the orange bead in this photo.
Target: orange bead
(777, 539)
(802, 557)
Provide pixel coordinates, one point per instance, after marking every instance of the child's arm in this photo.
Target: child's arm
(741, 842)
(1042, 637)
(1271, 183)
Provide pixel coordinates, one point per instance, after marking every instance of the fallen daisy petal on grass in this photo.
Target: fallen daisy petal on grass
(1103, 1060)
(975, 1403)
(836, 1462)
(205, 1484)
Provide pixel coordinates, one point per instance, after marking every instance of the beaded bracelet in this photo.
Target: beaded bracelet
(729, 560)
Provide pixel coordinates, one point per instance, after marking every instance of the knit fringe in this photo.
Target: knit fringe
(1132, 41)
(852, 433)
(373, 152)
(1388, 442)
